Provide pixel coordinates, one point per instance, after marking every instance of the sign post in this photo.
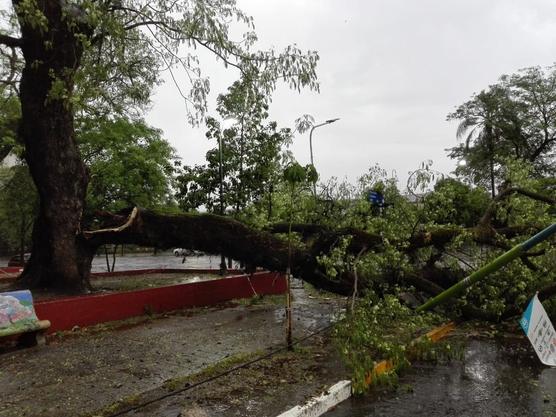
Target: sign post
(540, 331)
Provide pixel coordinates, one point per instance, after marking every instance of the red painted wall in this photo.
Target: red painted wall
(10, 270)
(65, 313)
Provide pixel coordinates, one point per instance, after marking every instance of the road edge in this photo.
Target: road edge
(341, 391)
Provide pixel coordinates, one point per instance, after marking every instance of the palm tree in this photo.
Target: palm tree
(482, 132)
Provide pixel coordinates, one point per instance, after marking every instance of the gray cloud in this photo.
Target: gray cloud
(391, 69)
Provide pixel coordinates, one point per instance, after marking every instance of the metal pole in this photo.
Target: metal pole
(221, 173)
(289, 339)
(311, 147)
(489, 268)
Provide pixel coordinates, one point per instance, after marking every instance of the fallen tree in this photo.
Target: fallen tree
(56, 42)
(215, 234)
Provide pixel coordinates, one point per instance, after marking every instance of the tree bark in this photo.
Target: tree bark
(214, 234)
(52, 55)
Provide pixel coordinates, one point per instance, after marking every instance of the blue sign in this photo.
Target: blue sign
(376, 198)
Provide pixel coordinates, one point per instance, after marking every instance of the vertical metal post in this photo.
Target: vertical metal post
(289, 339)
(312, 163)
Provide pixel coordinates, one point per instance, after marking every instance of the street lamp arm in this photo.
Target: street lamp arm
(311, 141)
(327, 122)
(324, 123)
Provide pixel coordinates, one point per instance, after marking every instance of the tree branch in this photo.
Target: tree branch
(215, 235)
(491, 209)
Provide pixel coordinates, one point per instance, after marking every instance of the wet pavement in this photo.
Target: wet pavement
(160, 260)
(492, 379)
(90, 370)
(132, 261)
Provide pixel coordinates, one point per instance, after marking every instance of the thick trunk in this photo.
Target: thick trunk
(218, 234)
(52, 55)
(223, 235)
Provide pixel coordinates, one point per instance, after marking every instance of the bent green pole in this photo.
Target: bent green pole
(489, 268)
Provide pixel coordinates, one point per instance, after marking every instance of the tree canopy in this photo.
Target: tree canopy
(514, 118)
(100, 59)
(251, 154)
(130, 164)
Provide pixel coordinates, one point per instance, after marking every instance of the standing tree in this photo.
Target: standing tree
(18, 206)
(63, 42)
(533, 128)
(130, 164)
(513, 119)
(250, 154)
(480, 127)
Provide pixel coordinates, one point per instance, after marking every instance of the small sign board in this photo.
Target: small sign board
(540, 331)
(376, 198)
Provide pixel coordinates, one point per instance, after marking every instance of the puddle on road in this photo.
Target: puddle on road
(491, 380)
(304, 311)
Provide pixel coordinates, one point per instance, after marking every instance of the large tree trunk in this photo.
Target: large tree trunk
(218, 234)
(222, 235)
(52, 55)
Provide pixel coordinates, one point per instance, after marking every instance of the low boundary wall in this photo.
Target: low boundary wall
(87, 310)
(133, 272)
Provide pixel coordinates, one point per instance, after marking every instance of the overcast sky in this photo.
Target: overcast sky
(391, 70)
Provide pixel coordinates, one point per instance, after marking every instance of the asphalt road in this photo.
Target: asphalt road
(160, 260)
(492, 379)
(147, 261)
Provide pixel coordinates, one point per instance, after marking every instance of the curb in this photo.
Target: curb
(10, 274)
(341, 391)
(319, 405)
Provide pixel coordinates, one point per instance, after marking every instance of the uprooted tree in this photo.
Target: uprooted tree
(96, 58)
(311, 256)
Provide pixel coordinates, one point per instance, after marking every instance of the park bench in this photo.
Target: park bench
(17, 317)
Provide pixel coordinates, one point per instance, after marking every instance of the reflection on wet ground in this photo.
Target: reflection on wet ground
(160, 260)
(492, 379)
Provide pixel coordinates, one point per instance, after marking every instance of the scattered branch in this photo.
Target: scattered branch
(486, 220)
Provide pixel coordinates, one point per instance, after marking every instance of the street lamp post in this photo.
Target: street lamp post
(327, 122)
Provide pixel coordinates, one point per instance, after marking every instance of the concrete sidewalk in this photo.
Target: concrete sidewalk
(81, 373)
